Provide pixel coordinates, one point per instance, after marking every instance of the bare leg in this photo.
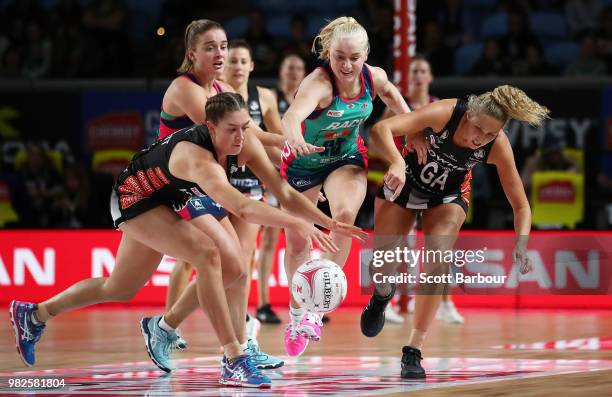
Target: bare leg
(345, 189)
(179, 278)
(441, 226)
(269, 239)
(298, 249)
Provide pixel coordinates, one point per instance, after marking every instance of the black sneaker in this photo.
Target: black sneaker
(266, 315)
(411, 363)
(373, 316)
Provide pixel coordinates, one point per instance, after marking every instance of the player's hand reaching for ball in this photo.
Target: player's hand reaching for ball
(300, 148)
(348, 230)
(313, 235)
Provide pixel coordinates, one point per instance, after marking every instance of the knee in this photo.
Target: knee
(114, 294)
(234, 270)
(346, 215)
(207, 257)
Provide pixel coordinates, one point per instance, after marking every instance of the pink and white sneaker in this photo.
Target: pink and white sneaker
(295, 344)
(310, 327)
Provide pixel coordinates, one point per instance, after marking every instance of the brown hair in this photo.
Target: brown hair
(218, 105)
(338, 28)
(240, 43)
(192, 32)
(507, 102)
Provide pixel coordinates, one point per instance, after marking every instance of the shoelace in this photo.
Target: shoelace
(315, 318)
(411, 359)
(256, 352)
(293, 330)
(25, 331)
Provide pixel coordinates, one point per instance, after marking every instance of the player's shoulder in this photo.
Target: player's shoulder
(266, 94)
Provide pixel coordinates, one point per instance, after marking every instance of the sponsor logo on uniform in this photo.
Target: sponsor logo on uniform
(197, 204)
(301, 182)
(350, 106)
(444, 135)
(479, 154)
(254, 106)
(335, 113)
(364, 105)
(336, 125)
(449, 156)
(233, 169)
(471, 164)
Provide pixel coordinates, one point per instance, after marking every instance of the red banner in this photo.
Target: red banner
(35, 265)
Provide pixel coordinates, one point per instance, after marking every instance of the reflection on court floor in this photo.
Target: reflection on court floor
(306, 376)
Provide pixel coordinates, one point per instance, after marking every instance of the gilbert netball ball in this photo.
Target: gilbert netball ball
(319, 285)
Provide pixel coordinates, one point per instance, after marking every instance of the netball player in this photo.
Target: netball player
(420, 79)
(464, 133)
(324, 149)
(263, 109)
(182, 106)
(291, 73)
(145, 197)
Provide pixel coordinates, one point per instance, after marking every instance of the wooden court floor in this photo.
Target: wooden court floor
(496, 352)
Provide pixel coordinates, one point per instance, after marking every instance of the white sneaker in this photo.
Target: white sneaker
(448, 313)
(253, 327)
(392, 316)
(411, 304)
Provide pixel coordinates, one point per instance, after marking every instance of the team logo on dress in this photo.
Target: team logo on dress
(350, 106)
(479, 154)
(197, 204)
(254, 106)
(233, 169)
(335, 113)
(301, 182)
(364, 105)
(444, 135)
(470, 164)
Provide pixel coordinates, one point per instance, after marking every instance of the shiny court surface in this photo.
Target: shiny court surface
(496, 352)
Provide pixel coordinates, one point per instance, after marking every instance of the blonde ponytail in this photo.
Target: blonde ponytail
(338, 28)
(508, 102)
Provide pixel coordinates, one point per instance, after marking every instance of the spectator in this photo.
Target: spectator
(68, 44)
(43, 184)
(109, 50)
(514, 44)
(534, 64)
(37, 52)
(452, 20)
(440, 56)
(381, 40)
(582, 15)
(604, 36)
(299, 43)
(589, 63)
(261, 42)
(71, 207)
(12, 61)
(491, 63)
(550, 158)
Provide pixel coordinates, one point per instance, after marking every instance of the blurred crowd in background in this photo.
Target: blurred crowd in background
(144, 38)
(49, 187)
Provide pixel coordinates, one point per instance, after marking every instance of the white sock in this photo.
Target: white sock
(164, 325)
(296, 314)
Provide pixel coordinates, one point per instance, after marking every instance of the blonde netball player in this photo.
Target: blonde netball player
(324, 149)
(465, 133)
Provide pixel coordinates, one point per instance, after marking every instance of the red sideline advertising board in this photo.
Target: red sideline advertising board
(34, 265)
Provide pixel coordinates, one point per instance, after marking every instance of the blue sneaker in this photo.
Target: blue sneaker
(260, 359)
(242, 372)
(26, 333)
(159, 342)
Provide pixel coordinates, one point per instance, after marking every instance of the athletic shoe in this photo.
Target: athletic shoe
(180, 343)
(373, 316)
(242, 372)
(266, 315)
(260, 359)
(253, 326)
(447, 312)
(411, 304)
(295, 343)
(411, 363)
(159, 342)
(26, 332)
(392, 316)
(310, 326)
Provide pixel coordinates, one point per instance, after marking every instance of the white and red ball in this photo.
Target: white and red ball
(319, 285)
